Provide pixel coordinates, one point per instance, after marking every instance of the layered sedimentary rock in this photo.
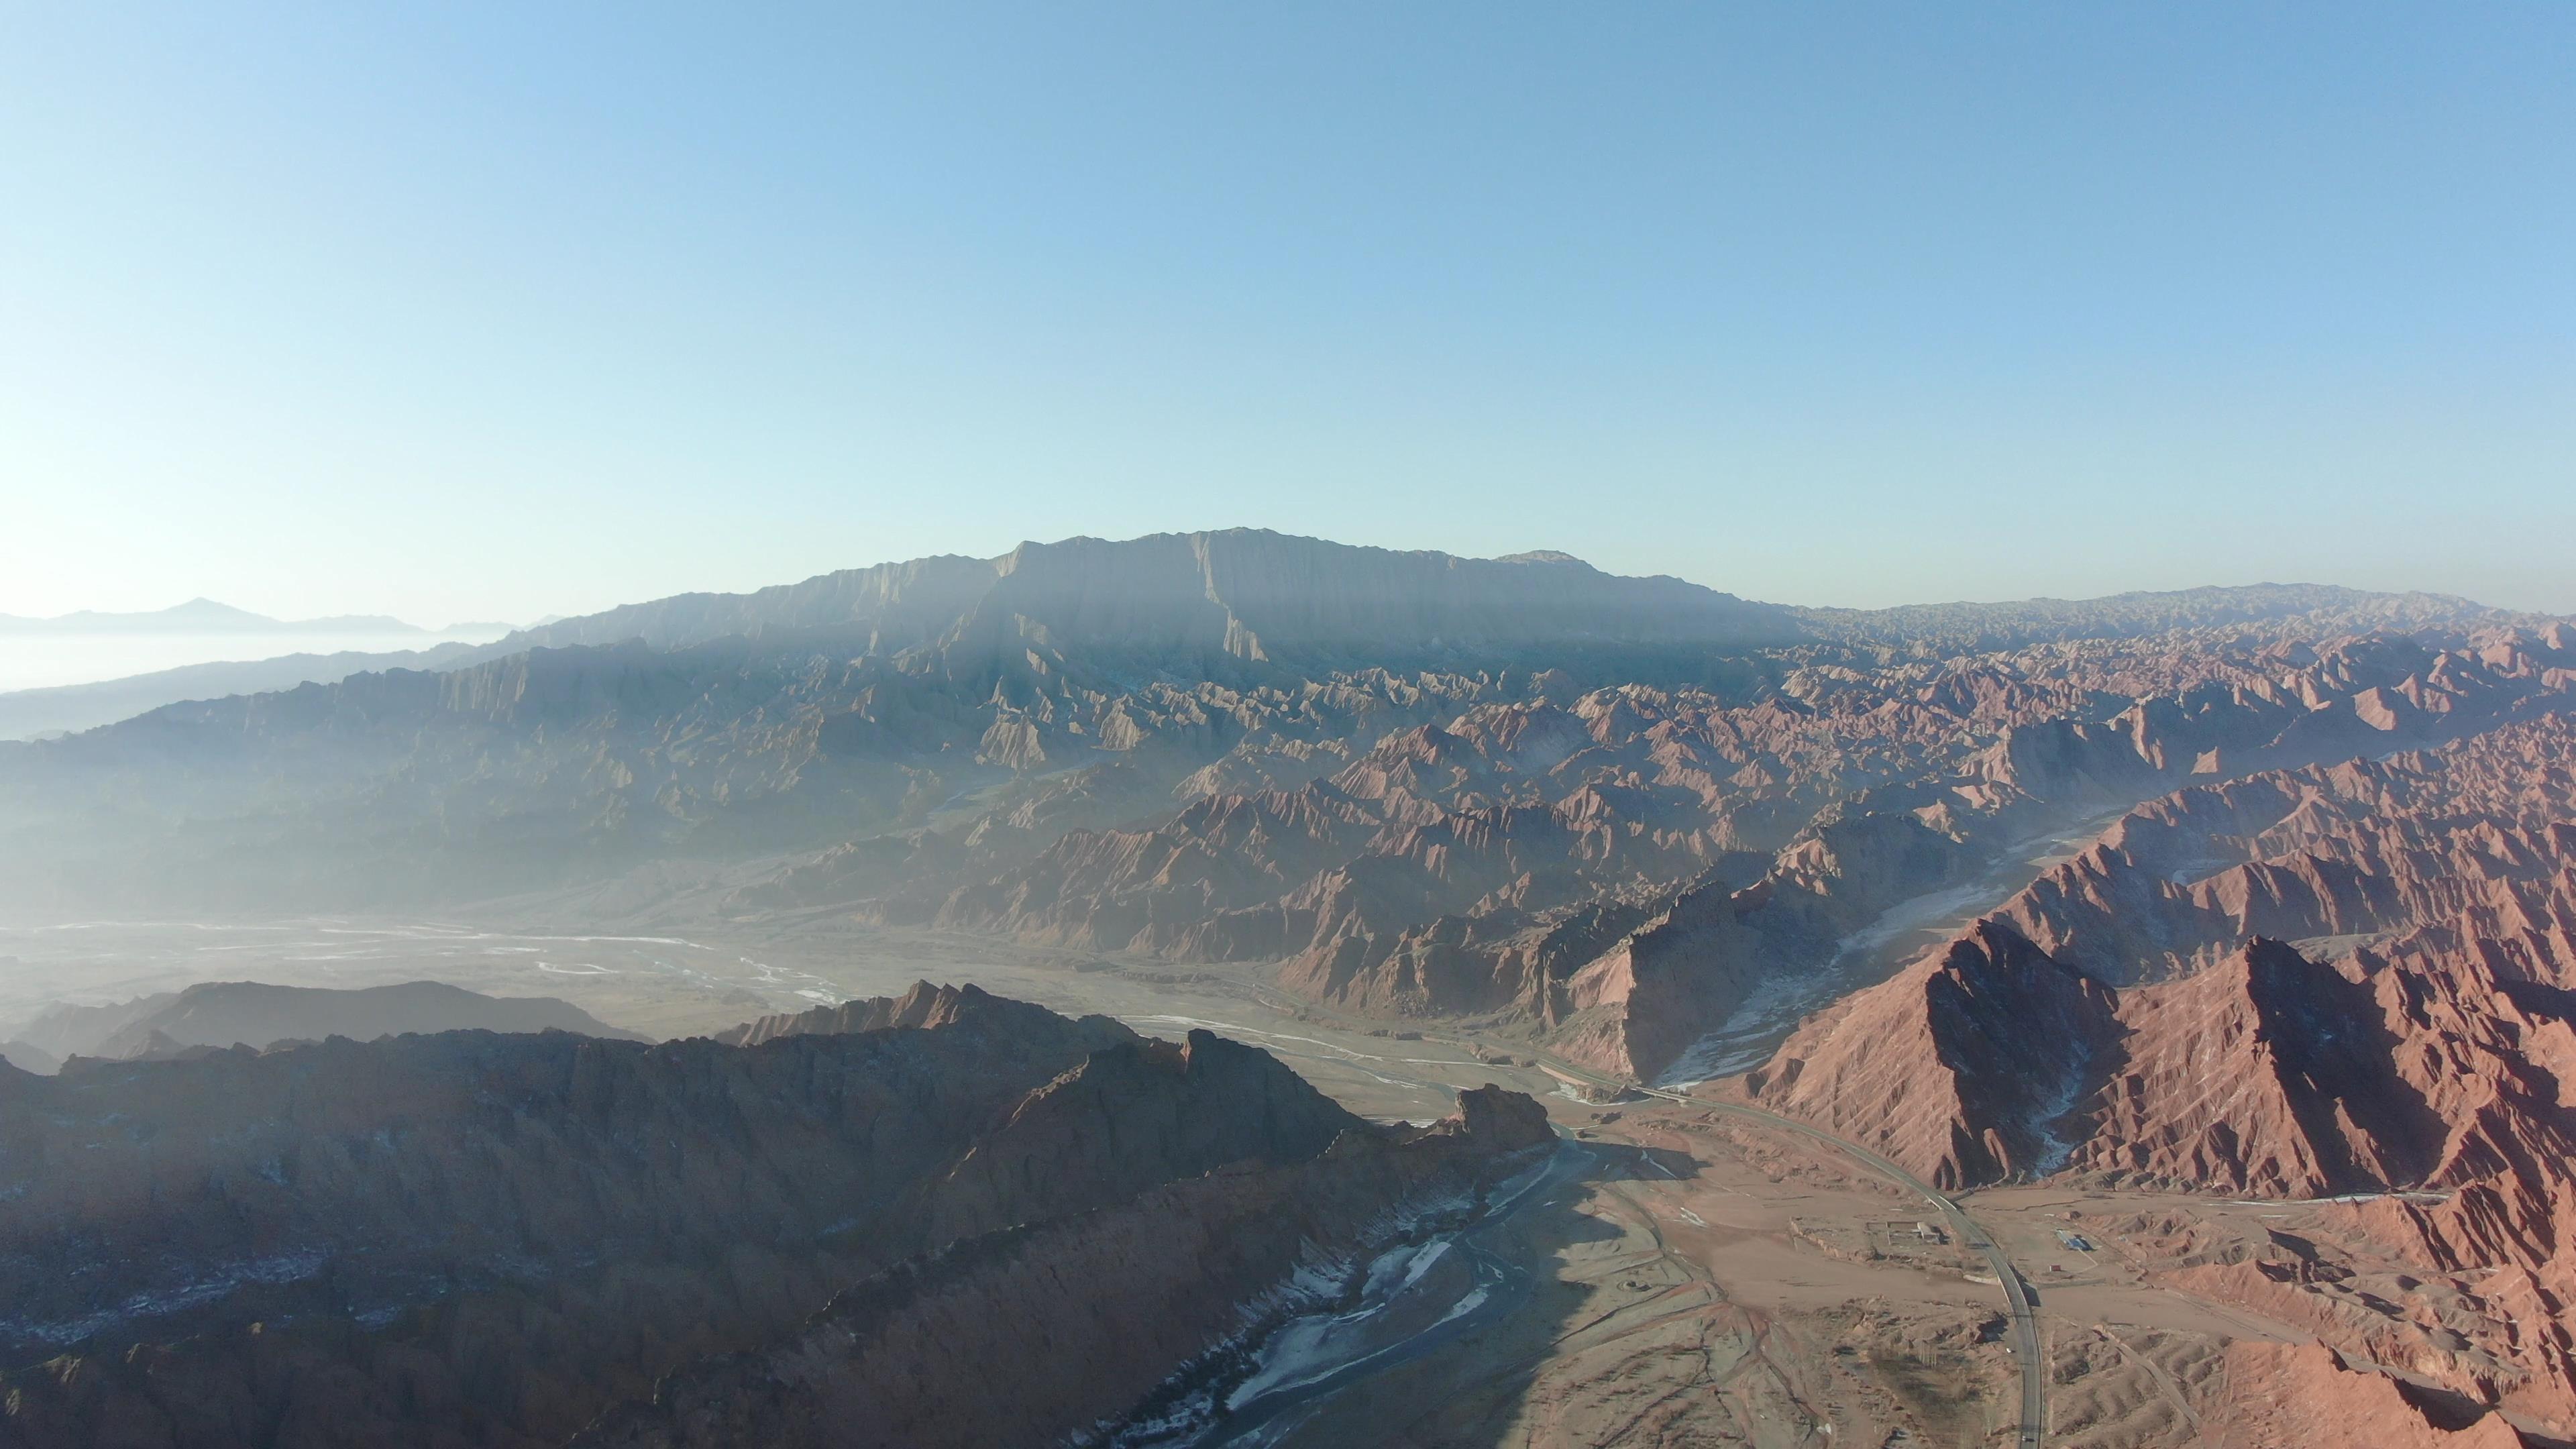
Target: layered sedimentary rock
(1693, 961)
(471, 1238)
(1960, 1068)
(2475, 833)
(1607, 812)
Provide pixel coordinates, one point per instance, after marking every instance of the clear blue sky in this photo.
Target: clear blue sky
(525, 308)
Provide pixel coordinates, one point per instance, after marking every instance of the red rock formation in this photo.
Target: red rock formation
(2419, 1042)
(2277, 1395)
(1962, 1068)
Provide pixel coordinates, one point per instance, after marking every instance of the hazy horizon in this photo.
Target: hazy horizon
(181, 648)
(2057, 783)
(492, 313)
(97, 656)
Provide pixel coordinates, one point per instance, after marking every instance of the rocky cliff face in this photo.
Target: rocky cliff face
(479, 1239)
(1961, 1068)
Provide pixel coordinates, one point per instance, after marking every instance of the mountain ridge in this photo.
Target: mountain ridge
(858, 705)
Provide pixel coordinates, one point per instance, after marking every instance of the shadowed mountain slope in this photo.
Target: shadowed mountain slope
(474, 1239)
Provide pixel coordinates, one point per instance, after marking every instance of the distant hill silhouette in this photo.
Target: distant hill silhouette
(256, 1013)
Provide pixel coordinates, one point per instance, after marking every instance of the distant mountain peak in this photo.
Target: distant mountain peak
(201, 615)
(1256, 594)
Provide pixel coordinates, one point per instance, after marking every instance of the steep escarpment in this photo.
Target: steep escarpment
(1962, 1069)
(479, 1239)
(2476, 831)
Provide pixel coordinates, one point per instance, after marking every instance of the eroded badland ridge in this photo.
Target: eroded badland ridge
(2219, 943)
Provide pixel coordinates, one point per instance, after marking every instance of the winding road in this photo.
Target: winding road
(2022, 1311)
(2017, 1300)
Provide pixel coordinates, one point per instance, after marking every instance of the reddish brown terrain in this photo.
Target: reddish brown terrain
(2116, 1024)
(2344, 979)
(1614, 873)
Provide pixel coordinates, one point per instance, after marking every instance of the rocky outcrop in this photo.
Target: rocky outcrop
(1453, 869)
(479, 1239)
(1685, 969)
(1115, 1125)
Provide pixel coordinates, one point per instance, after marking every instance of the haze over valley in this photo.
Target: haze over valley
(1319, 727)
(1975, 899)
